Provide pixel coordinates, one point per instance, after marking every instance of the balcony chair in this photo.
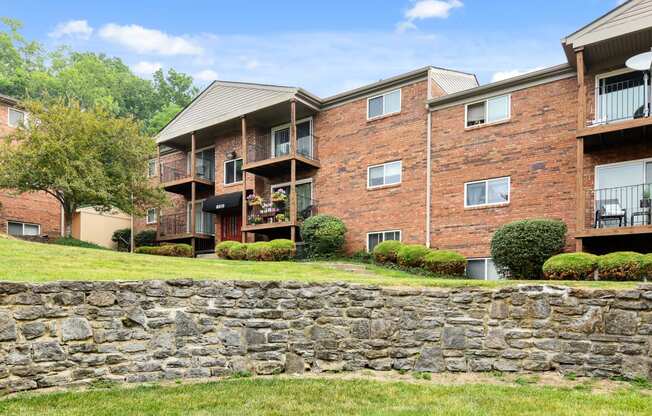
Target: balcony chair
(608, 210)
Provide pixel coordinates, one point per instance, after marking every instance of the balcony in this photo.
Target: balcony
(275, 212)
(620, 105)
(176, 178)
(623, 210)
(268, 153)
(177, 226)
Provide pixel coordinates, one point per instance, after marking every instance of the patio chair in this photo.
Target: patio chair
(610, 210)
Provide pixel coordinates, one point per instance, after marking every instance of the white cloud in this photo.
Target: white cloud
(205, 75)
(143, 40)
(146, 68)
(72, 28)
(501, 75)
(427, 9)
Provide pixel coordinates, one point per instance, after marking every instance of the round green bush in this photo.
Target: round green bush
(237, 251)
(259, 251)
(323, 236)
(145, 238)
(411, 255)
(445, 262)
(283, 249)
(386, 251)
(570, 266)
(646, 266)
(621, 265)
(222, 248)
(520, 248)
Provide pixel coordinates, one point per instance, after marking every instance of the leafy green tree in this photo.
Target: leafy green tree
(82, 157)
(162, 117)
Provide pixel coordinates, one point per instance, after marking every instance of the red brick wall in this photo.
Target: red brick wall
(349, 144)
(535, 148)
(34, 207)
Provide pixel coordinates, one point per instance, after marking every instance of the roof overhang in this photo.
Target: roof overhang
(8, 100)
(528, 80)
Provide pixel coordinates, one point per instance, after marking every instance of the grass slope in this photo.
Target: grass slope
(278, 396)
(35, 262)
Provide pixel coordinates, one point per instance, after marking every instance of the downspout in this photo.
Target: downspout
(428, 160)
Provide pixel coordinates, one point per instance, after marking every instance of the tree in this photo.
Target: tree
(82, 157)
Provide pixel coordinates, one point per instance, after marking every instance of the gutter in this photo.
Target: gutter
(520, 82)
(428, 161)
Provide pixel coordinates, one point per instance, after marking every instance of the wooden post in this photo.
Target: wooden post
(193, 189)
(579, 164)
(160, 179)
(581, 90)
(158, 163)
(244, 176)
(193, 156)
(293, 127)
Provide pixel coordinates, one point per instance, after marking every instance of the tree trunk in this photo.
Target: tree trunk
(67, 216)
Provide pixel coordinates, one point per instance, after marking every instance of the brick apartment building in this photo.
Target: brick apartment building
(33, 214)
(426, 157)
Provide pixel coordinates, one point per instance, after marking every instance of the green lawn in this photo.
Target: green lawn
(281, 396)
(35, 262)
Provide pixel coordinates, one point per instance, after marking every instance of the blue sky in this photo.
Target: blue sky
(323, 46)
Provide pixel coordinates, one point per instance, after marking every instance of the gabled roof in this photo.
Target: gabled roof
(453, 81)
(222, 101)
(629, 17)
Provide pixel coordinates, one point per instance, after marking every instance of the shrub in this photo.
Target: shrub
(445, 262)
(323, 236)
(411, 255)
(282, 249)
(520, 248)
(122, 238)
(237, 251)
(73, 242)
(362, 256)
(621, 265)
(646, 266)
(260, 251)
(386, 251)
(222, 249)
(170, 250)
(570, 266)
(145, 238)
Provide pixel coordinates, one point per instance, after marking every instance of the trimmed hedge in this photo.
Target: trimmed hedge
(570, 266)
(282, 249)
(73, 242)
(259, 251)
(222, 248)
(170, 250)
(411, 255)
(145, 238)
(445, 262)
(387, 251)
(622, 265)
(520, 248)
(237, 251)
(275, 250)
(323, 236)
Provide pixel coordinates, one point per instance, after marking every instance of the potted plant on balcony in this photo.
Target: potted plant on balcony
(279, 196)
(255, 219)
(280, 217)
(254, 200)
(646, 202)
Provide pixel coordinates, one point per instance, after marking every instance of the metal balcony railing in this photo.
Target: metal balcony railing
(268, 146)
(173, 224)
(623, 206)
(179, 169)
(271, 212)
(620, 101)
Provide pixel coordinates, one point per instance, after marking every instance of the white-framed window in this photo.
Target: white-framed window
(16, 117)
(488, 111)
(482, 268)
(151, 168)
(232, 171)
(23, 229)
(487, 192)
(389, 173)
(384, 104)
(151, 216)
(376, 237)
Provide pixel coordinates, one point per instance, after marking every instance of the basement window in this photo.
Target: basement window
(482, 269)
(488, 111)
(375, 238)
(21, 229)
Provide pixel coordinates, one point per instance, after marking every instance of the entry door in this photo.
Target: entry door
(231, 228)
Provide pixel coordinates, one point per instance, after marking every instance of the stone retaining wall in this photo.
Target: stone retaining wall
(67, 333)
